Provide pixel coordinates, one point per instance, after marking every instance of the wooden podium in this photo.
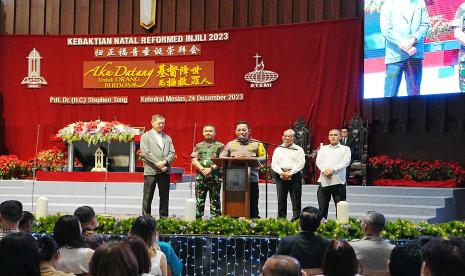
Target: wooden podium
(236, 184)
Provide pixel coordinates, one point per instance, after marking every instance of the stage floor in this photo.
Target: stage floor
(125, 199)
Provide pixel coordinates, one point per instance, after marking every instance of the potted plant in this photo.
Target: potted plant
(53, 159)
(97, 131)
(10, 166)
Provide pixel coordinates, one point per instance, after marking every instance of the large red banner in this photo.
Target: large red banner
(308, 70)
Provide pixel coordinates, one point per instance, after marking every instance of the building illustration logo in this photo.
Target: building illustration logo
(260, 78)
(33, 79)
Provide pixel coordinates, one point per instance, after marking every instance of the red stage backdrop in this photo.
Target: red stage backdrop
(318, 64)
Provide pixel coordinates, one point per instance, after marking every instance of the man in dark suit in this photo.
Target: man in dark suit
(306, 247)
(348, 140)
(158, 152)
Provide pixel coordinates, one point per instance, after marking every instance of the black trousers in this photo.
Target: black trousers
(150, 182)
(253, 199)
(293, 187)
(324, 196)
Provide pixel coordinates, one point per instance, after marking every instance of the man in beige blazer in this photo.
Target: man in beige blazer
(158, 152)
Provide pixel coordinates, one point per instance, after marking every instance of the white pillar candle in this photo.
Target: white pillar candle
(189, 214)
(42, 207)
(342, 212)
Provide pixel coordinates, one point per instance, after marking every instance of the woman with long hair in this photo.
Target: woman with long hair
(138, 247)
(340, 259)
(113, 259)
(145, 227)
(75, 253)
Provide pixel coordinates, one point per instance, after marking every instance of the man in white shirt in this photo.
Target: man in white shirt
(158, 152)
(332, 160)
(287, 163)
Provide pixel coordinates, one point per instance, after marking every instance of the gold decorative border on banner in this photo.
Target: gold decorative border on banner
(145, 20)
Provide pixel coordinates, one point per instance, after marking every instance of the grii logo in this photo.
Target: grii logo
(259, 77)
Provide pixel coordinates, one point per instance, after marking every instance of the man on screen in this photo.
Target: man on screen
(459, 34)
(244, 146)
(404, 24)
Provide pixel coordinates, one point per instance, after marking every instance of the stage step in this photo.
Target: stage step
(415, 204)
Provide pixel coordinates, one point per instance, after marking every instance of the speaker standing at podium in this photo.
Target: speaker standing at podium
(243, 146)
(158, 152)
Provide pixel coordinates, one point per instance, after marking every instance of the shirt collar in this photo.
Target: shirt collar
(9, 230)
(335, 146)
(156, 133)
(372, 238)
(244, 142)
(291, 146)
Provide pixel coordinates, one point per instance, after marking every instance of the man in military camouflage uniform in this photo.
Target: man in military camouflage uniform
(208, 178)
(459, 34)
(244, 146)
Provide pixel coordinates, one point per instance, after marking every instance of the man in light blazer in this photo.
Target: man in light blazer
(404, 24)
(158, 152)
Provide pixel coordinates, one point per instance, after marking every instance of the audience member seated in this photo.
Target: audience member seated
(281, 265)
(75, 252)
(113, 258)
(405, 259)
(307, 247)
(443, 257)
(27, 222)
(11, 212)
(340, 259)
(89, 222)
(145, 227)
(19, 255)
(49, 256)
(372, 251)
(173, 261)
(139, 249)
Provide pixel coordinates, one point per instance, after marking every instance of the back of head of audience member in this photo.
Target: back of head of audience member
(138, 247)
(48, 250)
(340, 259)
(113, 258)
(443, 257)
(26, 222)
(19, 255)
(146, 228)
(87, 218)
(281, 265)
(68, 232)
(11, 212)
(406, 259)
(373, 223)
(310, 219)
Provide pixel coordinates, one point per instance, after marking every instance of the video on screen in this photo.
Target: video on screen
(414, 47)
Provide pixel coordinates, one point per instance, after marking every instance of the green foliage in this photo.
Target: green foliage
(227, 226)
